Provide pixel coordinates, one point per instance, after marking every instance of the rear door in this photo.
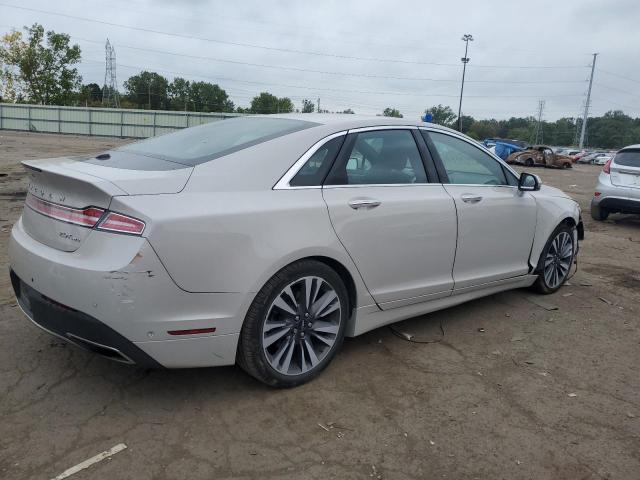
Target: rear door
(625, 168)
(399, 229)
(496, 221)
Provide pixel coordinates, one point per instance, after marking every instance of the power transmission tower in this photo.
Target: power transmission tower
(110, 97)
(586, 106)
(539, 135)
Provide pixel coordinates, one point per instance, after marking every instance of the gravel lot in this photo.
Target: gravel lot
(512, 390)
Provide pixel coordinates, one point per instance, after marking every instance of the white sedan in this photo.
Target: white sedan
(266, 240)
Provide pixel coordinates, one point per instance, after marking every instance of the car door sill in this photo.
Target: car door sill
(366, 319)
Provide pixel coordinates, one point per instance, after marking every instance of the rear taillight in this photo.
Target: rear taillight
(607, 166)
(116, 222)
(87, 217)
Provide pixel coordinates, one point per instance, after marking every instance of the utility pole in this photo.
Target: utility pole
(149, 93)
(586, 105)
(465, 38)
(539, 133)
(319, 111)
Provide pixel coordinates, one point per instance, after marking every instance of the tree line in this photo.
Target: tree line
(40, 67)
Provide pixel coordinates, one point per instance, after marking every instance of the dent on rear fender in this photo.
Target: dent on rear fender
(122, 283)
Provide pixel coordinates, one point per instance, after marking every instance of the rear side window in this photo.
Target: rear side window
(628, 158)
(196, 145)
(380, 157)
(316, 168)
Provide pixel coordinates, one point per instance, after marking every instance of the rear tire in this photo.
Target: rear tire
(556, 260)
(295, 325)
(528, 162)
(598, 213)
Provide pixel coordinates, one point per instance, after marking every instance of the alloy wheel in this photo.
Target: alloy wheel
(558, 260)
(301, 326)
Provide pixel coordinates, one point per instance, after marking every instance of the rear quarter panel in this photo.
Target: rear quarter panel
(235, 241)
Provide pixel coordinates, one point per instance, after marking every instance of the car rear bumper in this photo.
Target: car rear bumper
(617, 204)
(113, 296)
(615, 198)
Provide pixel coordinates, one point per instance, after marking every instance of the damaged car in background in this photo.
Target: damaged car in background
(540, 155)
(265, 240)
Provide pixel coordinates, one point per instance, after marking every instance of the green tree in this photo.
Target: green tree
(392, 112)
(208, 97)
(179, 94)
(442, 115)
(90, 94)
(12, 48)
(308, 106)
(348, 111)
(42, 67)
(268, 103)
(147, 90)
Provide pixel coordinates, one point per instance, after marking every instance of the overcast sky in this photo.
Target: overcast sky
(407, 53)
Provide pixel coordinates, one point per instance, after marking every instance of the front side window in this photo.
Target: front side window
(380, 157)
(313, 172)
(466, 164)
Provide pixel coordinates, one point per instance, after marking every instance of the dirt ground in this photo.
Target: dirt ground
(511, 391)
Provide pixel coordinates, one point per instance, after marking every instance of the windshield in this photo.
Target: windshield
(196, 145)
(628, 158)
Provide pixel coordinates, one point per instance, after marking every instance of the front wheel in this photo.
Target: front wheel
(556, 260)
(295, 325)
(528, 162)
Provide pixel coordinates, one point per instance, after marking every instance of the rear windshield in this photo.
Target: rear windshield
(628, 158)
(196, 145)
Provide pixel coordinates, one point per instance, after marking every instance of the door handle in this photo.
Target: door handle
(470, 198)
(366, 203)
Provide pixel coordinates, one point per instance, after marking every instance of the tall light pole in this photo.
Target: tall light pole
(466, 39)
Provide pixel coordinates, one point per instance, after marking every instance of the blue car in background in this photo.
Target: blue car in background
(504, 147)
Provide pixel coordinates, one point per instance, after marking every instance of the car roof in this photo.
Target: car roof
(636, 146)
(346, 121)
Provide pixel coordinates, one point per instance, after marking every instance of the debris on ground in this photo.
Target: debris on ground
(572, 395)
(90, 461)
(541, 303)
(608, 302)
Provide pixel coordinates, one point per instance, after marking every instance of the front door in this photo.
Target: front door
(496, 221)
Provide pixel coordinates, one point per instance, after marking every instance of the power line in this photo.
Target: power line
(279, 49)
(617, 90)
(619, 76)
(328, 72)
(182, 73)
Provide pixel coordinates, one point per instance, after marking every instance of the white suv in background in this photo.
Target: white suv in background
(618, 188)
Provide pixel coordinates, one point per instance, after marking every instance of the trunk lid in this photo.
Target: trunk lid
(625, 168)
(65, 187)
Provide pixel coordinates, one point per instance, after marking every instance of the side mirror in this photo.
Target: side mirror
(529, 182)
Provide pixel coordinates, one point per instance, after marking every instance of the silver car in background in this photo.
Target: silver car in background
(618, 187)
(266, 240)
